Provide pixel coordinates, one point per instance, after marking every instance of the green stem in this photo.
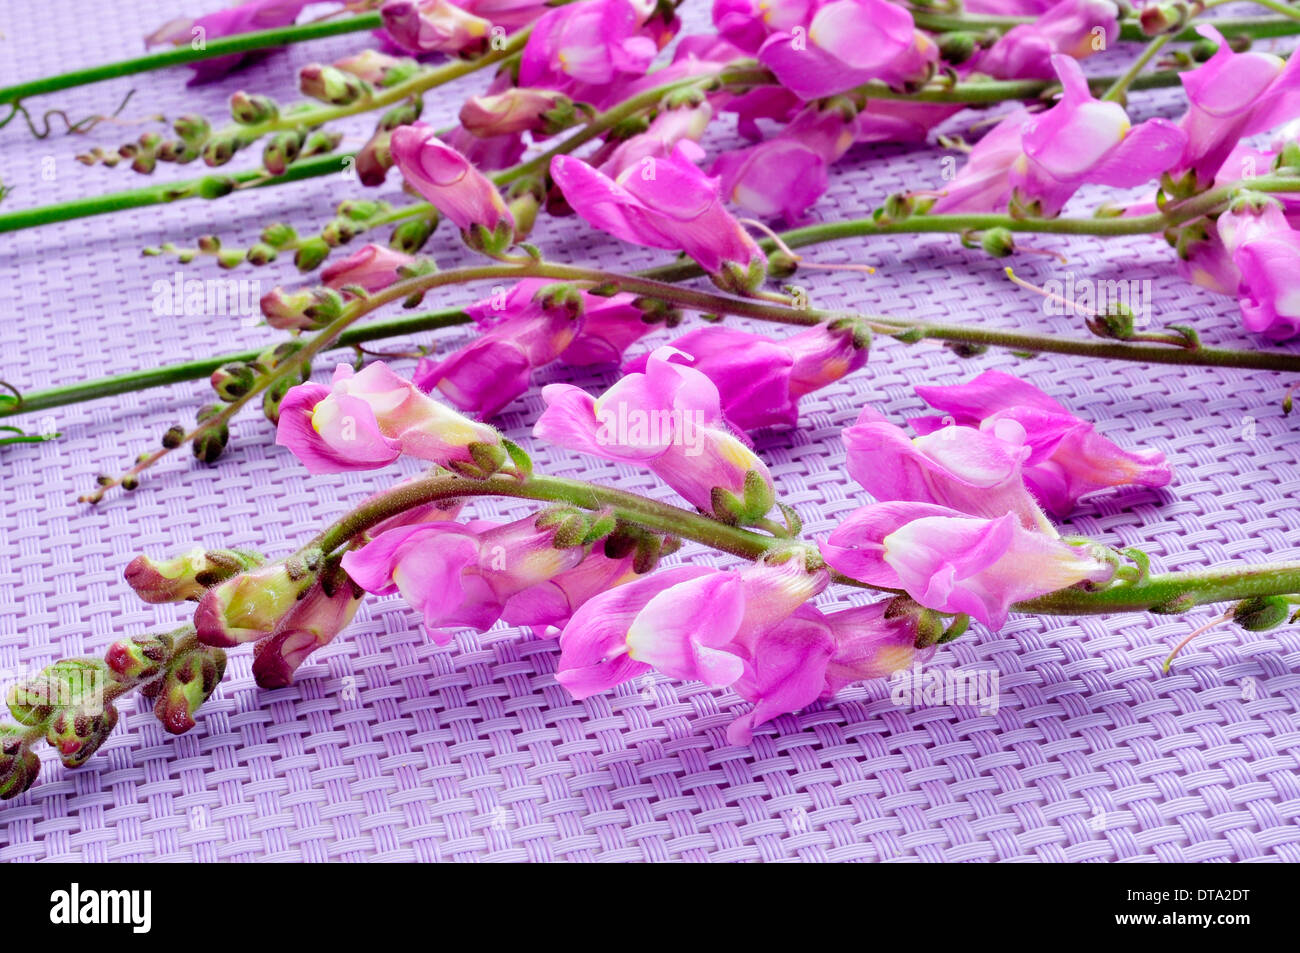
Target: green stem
(1117, 89)
(1170, 592)
(222, 46)
(213, 185)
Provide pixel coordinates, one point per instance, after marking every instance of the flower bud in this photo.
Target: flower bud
(517, 110)
(138, 658)
(186, 577)
(403, 114)
(757, 498)
(378, 69)
(278, 234)
(232, 381)
(312, 623)
(409, 236)
(1261, 613)
(374, 159)
(330, 85)
(301, 310)
(280, 151)
(191, 679)
(998, 242)
(248, 606)
(68, 683)
(309, 255)
(251, 110)
(957, 48)
(1164, 17)
(320, 142)
(193, 130)
(211, 443)
(76, 733)
(221, 148)
(216, 186)
(19, 765)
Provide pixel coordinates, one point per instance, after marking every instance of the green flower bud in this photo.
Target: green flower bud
(409, 236)
(319, 143)
(233, 381)
(998, 242)
(278, 234)
(310, 254)
(191, 679)
(186, 577)
(19, 765)
(957, 48)
(280, 151)
(77, 733)
(330, 85)
(68, 683)
(251, 110)
(192, 129)
(138, 658)
(216, 186)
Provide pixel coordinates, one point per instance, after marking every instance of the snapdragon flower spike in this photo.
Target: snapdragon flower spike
(373, 267)
(592, 44)
(1076, 28)
(1232, 96)
(434, 26)
(1265, 253)
(847, 43)
(367, 419)
(469, 575)
(1068, 459)
(950, 561)
(668, 419)
(665, 203)
(1037, 162)
(313, 621)
(956, 467)
(760, 380)
(244, 18)
(453, 185)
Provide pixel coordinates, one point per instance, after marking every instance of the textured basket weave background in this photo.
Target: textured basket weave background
(388, 747)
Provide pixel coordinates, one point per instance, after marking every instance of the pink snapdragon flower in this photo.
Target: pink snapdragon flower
(373, 267)
(1039, 161)
(451, 573)
(671, 126)
(961, 468)
(1265, 252)
(950, 561)
(661, 203)
(590, 44)
(787, 173)
(497, 365)
(669, 419)
(846, 43)
(1232, 96)
(512, 110)
(760, 380)
(1077, 28)
(366, 420)
(434, 26)
(448, 179)
(245, 18)
(689, 623)
(1068, 459)
(510, 14)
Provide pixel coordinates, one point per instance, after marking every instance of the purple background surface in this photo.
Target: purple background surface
(388, 747)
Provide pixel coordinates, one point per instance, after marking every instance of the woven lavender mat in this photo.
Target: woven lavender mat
(390, 748)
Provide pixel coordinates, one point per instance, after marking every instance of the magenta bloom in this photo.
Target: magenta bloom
(952, 562)
(871, 641)
(593, 43)
(671, 126)
(1068, 458)
(760, 380)
(496, 367)
(958, 467)
(689, 623)
(367, 420)
(788, 173)
(510, 111)
(245, 18)
(669, 419)
(312, 623)
(510, 14)
(553, 602)
(434, 26)
(373, 267)
(1070, 27)
(847, 43)
(1231, 96)
(1039, 161)
(460, 575)
(1265, 251)
(447, 179)
(661, 203)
